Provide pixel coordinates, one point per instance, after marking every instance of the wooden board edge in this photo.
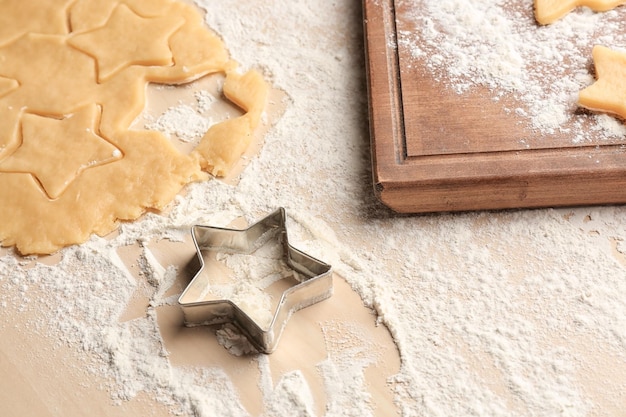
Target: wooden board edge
(504, 193)
(383, 89)
(470, 181)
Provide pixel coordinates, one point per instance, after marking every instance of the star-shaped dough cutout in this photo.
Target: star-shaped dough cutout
(128, 39)
(315, 283)
(549, 11)
(608, 93)
(62, 149)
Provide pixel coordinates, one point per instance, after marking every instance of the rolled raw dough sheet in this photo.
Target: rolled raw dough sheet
(73, 76)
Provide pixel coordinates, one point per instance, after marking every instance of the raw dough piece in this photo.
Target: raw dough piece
(73, 75)
(225, 142)
(608, 93)
(549, 11)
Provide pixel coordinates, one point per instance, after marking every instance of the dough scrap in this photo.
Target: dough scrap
(225, 142)
(549, 11)
(73, 75)
(608, 93)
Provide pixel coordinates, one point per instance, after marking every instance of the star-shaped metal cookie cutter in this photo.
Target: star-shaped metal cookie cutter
(317, 284)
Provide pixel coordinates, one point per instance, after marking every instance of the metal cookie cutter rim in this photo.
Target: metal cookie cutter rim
(315, 287)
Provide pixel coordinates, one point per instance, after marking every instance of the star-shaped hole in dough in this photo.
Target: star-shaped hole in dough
(56, 151)
(549, 11)
(608, 93)
(128, 39)
(312, 281)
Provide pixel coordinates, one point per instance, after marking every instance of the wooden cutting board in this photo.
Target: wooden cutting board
(435, 150)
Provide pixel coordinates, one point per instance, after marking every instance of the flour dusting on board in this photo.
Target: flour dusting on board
(498, 44)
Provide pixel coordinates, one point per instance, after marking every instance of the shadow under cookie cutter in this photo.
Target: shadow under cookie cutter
(317, 284)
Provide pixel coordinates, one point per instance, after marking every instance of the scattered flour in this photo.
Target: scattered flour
(234, 341)
(182, 121)
(186, 122)
(205, 100)
(292, 396)
(500, 314)
(254, 273)
(497, 43)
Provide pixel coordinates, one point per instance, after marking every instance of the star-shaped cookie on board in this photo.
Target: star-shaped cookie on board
(62, 149)
(128, 39)
(549, 11)
(608, 93)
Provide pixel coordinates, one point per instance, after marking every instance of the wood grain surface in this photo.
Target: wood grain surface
(435, 150)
